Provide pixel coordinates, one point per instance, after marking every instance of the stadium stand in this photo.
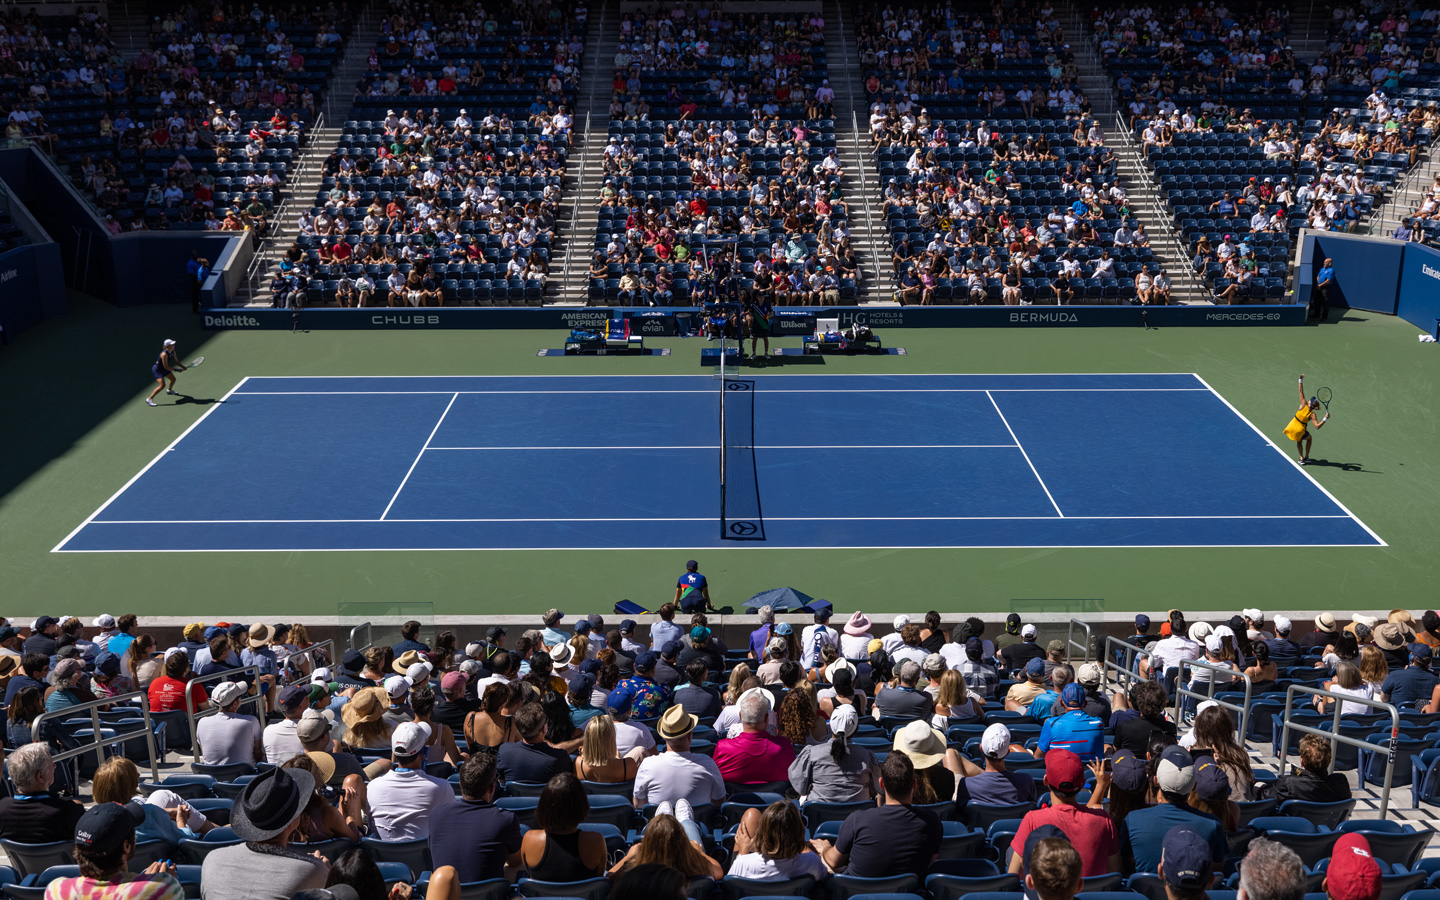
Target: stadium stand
(1280, 143)
(537, 746)
(704, 163)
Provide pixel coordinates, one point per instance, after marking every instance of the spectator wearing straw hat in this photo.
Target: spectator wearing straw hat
(262, 867)
(678, 774)
(259, 653)
(937, 766)
(1325, 633)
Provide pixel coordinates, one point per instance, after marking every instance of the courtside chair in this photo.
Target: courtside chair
(32, 859)
(954, 887)
(414, 854)
(843, 887)
(740, 888)
(1325, 815)
(1397, 843)
(589, 889)
(490, 889)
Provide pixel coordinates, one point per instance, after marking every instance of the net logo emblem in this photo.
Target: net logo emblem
(743, 529)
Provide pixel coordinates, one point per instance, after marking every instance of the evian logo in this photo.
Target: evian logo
(231, 322)
(1044, 317)
(1433, 273)
(8, 274)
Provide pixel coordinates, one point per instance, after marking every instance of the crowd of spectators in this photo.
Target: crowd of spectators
(733, 147)
(198, 130)
(496, 753)
(445, 188)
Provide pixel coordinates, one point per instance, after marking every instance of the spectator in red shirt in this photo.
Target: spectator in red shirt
(167, 692)
(342, 250)
(447, 85)
(1091, 831)
(754, 756)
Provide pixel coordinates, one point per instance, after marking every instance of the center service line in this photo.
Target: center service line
(1021, 447)
(453, 398)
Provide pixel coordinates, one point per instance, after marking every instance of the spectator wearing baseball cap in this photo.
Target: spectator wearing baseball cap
(1091, 677)
(279, 738)
(1023, 693)
(10, 643)
(816, 637)
(551, 634)
(1353, 873)
(1015, 656)
(42, 637)
(1145, 829)
(692, 590)
(401, 800)
(1073, 729)
(996, 785)
(229, 737)
(667, 667)
(1413, 684)
(1142, 637)
(647, 697)
(104, 842)
(627, 638)
(700, 644)
(1283, 650)
(1185, 864)
(1091, 831)
(1010, 634)
(455, 701)
(479, 839)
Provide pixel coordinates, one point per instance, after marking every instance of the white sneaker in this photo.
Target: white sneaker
(666, 808)
(683, 810)
(149, 402)
(173, 393)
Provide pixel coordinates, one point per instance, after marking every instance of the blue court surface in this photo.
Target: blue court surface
(565, 462)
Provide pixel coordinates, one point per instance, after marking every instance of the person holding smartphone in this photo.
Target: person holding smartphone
(104, 843)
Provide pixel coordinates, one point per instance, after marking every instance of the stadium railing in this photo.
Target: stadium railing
(102, 733)
(311, 654)
(1071, 643)
(193, 716)
(1122, 660)
(1183, 692)
(369, 636)
(1335, 737)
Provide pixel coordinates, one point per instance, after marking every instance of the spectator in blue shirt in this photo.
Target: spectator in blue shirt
(1073, 729)
(1145, 829)
(1414, 683)
(410, 634)
(1282, 649)
(550, 634)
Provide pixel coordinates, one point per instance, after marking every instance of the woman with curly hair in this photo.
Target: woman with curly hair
(799, 718)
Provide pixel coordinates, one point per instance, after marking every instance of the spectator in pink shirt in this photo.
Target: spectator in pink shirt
(754, 756)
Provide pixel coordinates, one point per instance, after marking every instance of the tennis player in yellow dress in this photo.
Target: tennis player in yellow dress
(1297, 430)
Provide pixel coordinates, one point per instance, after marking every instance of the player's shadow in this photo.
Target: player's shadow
(1344, 466)
(775, 362)
(185, 399)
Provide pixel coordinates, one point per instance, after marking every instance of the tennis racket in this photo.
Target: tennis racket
(1324, 395)
(195, 362)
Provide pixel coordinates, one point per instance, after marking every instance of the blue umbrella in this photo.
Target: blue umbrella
(780, 599)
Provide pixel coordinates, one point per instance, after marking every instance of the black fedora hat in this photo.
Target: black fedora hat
(270, 803)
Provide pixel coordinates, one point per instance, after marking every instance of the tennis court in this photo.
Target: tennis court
(813, 461)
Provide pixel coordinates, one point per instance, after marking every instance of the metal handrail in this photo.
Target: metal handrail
(1334, 735)
(1157, 209)
(570, 237)
(1071, 643)
(327, 647)
(1241, 711)
(1128, 673)
(193, 716)
(369, 636)
(101, 741)
(859, 151)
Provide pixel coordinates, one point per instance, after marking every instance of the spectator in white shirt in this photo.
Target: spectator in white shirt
(227, 737)
(678, 774)
(1168, 653)
(401, 801)
(816, 636)
(280, 740)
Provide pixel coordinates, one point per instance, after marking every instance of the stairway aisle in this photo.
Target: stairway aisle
(306, 177)
(1147, 203)
(861, 184)
(579, 211)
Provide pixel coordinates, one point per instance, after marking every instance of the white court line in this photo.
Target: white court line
(781, 374)
(762, 447)
(767, 390)
(703, 519)
(1024, 454)
(749, 548)
(158, 457)
(1291, 460)
(418, 455)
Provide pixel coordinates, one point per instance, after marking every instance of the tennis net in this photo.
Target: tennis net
(740, 517)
